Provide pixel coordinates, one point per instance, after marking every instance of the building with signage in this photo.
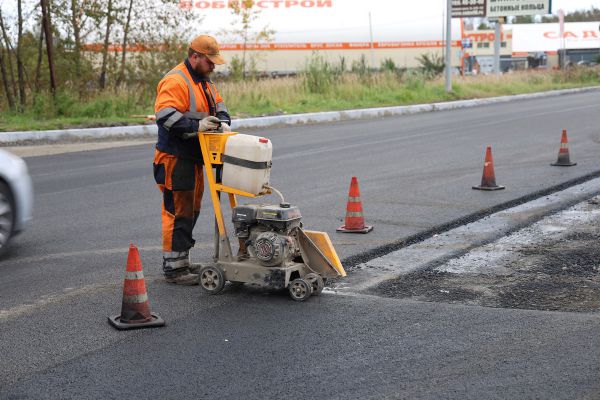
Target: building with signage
(403, 31)
(533, 46)
(373, 30)
(478, 47)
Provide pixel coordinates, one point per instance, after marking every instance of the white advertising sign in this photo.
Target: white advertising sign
(529, 38)
(506, 8)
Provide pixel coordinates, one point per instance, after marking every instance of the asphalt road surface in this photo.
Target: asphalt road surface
(63, 276)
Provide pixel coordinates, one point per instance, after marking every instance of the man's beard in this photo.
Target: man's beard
(200, 72)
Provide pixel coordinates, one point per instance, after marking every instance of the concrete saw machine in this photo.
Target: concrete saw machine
(275, 251)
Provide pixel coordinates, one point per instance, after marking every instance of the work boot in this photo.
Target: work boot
(195, 268)
(176, 267)
(185, 279)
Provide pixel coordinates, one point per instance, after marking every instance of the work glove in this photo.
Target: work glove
(225, 127)
(189, 135)
(208, 124)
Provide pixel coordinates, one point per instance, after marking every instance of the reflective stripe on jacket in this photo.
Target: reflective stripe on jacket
(183, 97)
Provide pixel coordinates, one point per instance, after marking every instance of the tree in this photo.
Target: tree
(47, 24)
(432, 65)
(20, 67)
(76, 23)
(9, 49)
(125, 44)
(523, 19)
(5, 82)
(590, 15)
(549, 19)
(246, 14)
(72, 36)
(109, 21)
(38, 64)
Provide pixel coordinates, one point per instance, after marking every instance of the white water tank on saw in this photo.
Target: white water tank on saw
(247, 163)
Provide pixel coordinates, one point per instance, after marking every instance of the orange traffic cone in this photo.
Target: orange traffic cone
(563, 153)
(488, 180)
(355, 221)
(135, 311)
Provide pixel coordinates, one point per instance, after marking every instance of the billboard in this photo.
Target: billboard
(529, 38)
(468, 8)
(507, 8)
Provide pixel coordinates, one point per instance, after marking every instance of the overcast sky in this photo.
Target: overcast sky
(345, 20)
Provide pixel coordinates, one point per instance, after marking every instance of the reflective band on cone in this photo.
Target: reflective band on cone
(135, 309)
(355, 221)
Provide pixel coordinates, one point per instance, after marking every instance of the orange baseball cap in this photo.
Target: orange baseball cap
(208, 46)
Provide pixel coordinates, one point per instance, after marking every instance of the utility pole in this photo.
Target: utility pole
(562, 53)
(497, 43)
(448, 46)
(371, 41)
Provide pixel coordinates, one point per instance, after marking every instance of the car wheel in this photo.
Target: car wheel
(7, 216)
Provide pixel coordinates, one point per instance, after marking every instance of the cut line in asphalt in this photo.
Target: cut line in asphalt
(442, 245)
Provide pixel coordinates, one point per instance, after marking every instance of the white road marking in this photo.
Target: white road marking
(51, 299)
(53, 149)
(84, 253)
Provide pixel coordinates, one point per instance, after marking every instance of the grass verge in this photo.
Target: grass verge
(296, 95)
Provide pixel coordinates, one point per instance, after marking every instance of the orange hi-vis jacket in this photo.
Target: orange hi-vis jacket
(183, 98)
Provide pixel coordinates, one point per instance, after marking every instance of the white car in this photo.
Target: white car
(16, 197)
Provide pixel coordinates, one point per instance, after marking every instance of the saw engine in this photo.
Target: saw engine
(269, 231)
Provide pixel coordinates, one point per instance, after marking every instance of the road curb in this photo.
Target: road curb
(280, 120)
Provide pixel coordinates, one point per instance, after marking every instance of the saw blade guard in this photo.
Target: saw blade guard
(319, 254)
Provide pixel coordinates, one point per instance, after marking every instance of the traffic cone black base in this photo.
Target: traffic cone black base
(563, 164)
(116, 322)
(489, 187)
(366, 229)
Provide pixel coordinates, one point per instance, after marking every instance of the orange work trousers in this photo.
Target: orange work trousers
(182, 185)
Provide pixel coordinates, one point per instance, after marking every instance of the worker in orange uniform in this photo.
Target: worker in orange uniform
(187, 102)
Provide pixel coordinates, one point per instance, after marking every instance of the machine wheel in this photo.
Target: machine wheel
(316, 281)
(212, 279)
(300, 289)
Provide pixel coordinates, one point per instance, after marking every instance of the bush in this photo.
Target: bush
(341, 67)
(65, 104)
(387, 64)
(432, 65)
(236, 68)
(319, 75)
(414, 81)
(360, 67)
